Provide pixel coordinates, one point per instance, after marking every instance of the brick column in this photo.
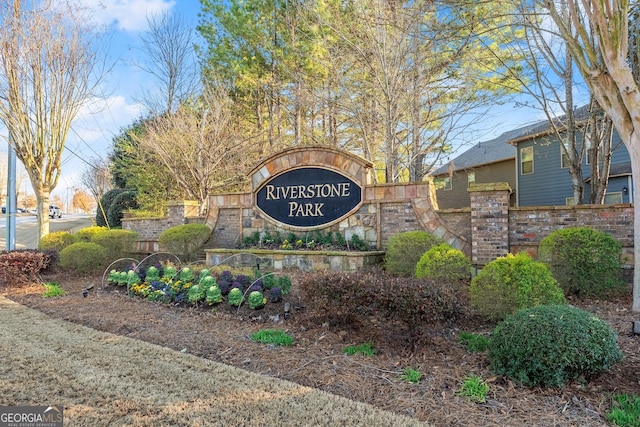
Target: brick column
(489, 221)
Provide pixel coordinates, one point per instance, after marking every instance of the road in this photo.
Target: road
(27, 228)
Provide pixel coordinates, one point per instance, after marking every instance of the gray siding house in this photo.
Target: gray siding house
(543, 180)
(529, 159)
(486, 162)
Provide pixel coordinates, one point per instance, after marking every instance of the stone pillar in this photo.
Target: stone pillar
(489, 221)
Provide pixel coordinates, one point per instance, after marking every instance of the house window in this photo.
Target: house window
(613, 198)
(471, 178)
(588, 148)
(443, 183)
(564, 159)
(526, 160)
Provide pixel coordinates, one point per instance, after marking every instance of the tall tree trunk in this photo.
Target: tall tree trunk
(43, 202)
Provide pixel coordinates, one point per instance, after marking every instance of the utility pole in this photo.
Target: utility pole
(10, 237)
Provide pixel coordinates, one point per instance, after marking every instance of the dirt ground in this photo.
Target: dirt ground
(316, 359)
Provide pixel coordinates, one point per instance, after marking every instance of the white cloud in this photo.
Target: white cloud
(127, 15)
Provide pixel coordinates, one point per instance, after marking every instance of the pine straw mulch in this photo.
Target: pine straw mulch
(316, 359)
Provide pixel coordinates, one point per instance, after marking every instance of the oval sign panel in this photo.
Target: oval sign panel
(308, 197)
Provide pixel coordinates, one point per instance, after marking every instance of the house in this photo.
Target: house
(530, 160)
(488, 161)
(543, 177)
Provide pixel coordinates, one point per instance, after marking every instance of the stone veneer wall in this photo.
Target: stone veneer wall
(292, 259)
(388, 209)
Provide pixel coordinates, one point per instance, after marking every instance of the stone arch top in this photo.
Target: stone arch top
(355, 167)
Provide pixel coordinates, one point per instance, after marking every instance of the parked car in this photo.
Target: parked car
(55, 212)
(4, 209)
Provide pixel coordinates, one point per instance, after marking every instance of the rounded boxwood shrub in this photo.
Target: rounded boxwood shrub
(83, 257)
(117, 243)
(184, 240)
(550, 345)
(511, 283)
(444, 262)
(405, 249)
(56, 241)
(85, 234)
(584, 261)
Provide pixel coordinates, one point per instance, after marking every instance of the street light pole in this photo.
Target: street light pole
(10, 235)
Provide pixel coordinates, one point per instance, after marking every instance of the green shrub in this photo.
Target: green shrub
(405, 249)
(196, 294)
(122, 202)
(584, 261)
(550, 345)
(184, 240)
(85, 234)
(83, 257)
(444, 262)
(104, 205)
(186, 275)
(116, 242)
(152, 274)
(511, 283)
(57, 241)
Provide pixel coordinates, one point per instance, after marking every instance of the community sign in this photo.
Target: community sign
(308, 197)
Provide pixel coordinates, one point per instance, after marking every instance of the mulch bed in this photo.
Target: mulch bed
(316, 358)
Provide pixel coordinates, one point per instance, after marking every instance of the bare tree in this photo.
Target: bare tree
(550, 84)
(199, 145)
(600, 47)
(169, 46)
(47, 62)
(97, 178)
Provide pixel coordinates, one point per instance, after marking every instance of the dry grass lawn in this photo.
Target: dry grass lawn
(103, 379)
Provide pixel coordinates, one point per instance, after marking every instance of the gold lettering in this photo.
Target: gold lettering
(342, 189)
(270, 195)
(305, 209)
